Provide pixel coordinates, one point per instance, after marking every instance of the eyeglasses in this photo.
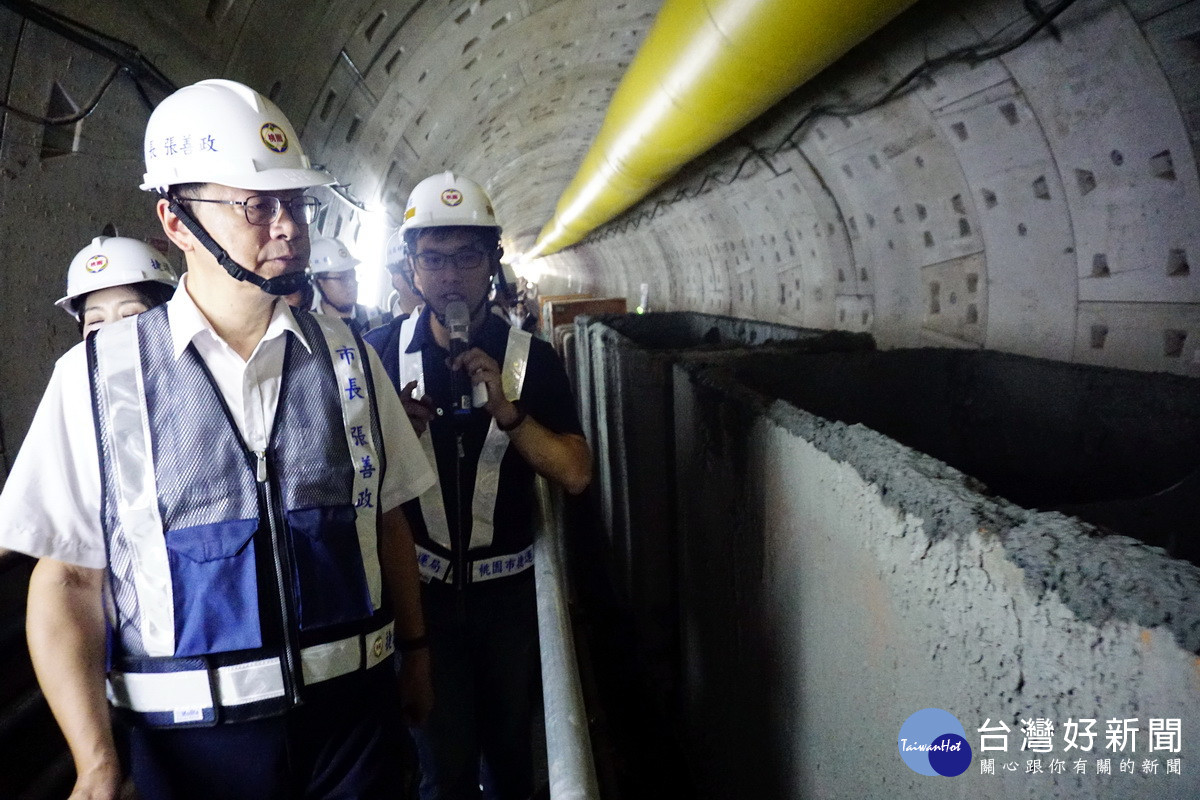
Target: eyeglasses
(463, 260)
(351, 278)
(263, 209)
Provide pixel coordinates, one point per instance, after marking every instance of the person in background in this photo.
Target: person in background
(336, 282)
(115, 277)
(213, 491)
(402, 300)
(510, 297)
(302, 298)
(474, 532)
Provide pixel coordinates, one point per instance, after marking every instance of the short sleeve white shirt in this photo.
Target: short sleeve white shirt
(50, 505)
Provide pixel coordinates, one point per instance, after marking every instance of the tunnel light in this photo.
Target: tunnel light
(529, 269)
(369, 247)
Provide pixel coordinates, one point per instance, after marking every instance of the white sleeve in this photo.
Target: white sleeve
(408, 470)
(50, 505)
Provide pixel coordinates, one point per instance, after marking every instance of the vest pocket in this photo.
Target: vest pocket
(330, 581)
(214, 587)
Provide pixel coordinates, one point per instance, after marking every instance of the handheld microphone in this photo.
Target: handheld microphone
(458, 320)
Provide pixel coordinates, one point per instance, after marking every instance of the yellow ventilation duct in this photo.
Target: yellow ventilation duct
(706, 69)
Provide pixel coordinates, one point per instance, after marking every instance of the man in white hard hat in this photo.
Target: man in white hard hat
(498, 410)
(402, 300)
(212, 488)
(115, 277)
(336, 284)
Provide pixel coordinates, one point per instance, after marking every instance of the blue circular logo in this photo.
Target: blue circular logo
(933, 742)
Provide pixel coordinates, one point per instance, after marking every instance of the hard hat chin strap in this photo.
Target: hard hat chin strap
(346, 309)
(278, 286)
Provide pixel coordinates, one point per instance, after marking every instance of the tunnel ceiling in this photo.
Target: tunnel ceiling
(1039, 200)
(509, 92)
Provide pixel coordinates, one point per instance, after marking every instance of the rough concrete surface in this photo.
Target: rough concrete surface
(834, 581)
(1114, 447)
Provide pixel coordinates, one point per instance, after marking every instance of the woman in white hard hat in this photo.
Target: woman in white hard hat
(115, 277)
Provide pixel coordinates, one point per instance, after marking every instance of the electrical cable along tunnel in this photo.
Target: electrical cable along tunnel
(908, 417)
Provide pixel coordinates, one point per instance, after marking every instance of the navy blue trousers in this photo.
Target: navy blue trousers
(346, 742)
(485, 669)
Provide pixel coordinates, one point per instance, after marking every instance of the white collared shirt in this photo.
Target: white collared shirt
(50, 505)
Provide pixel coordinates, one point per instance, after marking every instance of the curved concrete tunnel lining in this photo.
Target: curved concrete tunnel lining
(972, 148)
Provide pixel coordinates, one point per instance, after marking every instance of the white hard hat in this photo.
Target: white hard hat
(397, 252)
(330, 255)
(220, 131)
(448, 199)
(113, 261)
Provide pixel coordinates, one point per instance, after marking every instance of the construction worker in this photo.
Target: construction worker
(212, 489)
(490, 430)
(336, 282)
(115, 277)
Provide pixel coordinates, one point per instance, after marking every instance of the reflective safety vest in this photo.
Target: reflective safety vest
(435, 557)
(236, 578)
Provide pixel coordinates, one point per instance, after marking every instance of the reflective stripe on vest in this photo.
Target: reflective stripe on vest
(487, 474)
(360, 441)
(435, 568)
(135, 495)
(191, 695)
(119, 379)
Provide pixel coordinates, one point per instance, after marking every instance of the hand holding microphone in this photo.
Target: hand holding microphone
(472, 367)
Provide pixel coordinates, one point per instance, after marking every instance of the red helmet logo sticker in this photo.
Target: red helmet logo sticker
(452, 197)
(96, 263)
(274, 137)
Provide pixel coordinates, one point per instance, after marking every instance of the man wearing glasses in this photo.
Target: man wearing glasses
(240, 552)
(336, 284)
(493, 407)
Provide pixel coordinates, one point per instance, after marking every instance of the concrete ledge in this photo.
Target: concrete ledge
(834, 581)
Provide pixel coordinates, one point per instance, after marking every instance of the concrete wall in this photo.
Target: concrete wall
(624, 382)
(799, 585)
(833, 582)
(1115, 447)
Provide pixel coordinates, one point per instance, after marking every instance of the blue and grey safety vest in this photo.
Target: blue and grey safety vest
(482, 562)
(237, 578)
